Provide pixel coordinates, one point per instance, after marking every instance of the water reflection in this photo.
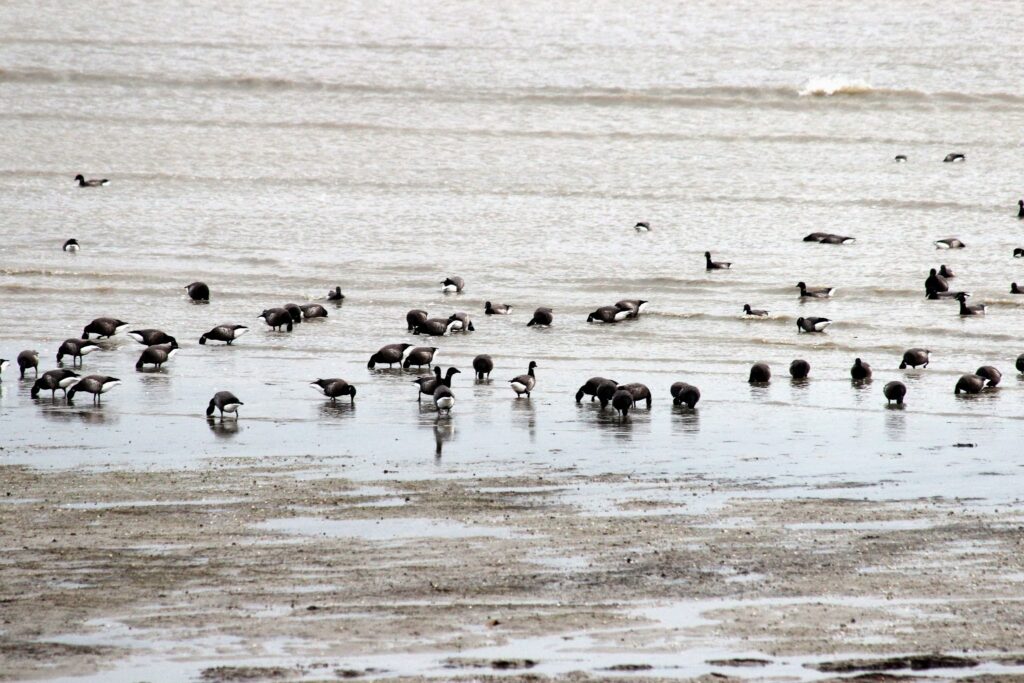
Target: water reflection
(223, 428)
(524, 414)
(332, 410)
(895, 422)
(685, 420)
(60, 411)
(444, 431)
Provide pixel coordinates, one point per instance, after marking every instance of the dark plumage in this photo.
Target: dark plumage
(799, 369)
(93, 182)
(642, 226)
(483, 365)
(28, 360)
(1020, 364)
(453, 284)
(973, 309)
(622, 401)
(605, 391)
(52, 380)
(991, 374)
(71, 245)
(415, 318)
(591, 386)
(894, 391)
(915, 357)
(935, 283)
(524, 384)
(634, 306)
(607, 314)
(276, 318)
(295, 311)
(390, 354)
(97, 385)
(684, 394)
(542, 316)
(420, 356)
(444, 399)
(198, 291)
(954, 156)
(224, 333)
(435, 327)
(104, 327)
(969, 384)
(815, 292)
(812, 324)
(715, 265)
(335, 295)
(1014, 289)
(427, 385)
(946, 272)
(496, 309)
(157, 355)
(225, 402)
(760, 373)
(939, 296)
(1018, 252)
(949, 243)
(754, 312)
(860, 370)
(901, 157)
(334, 387)
(313, 311)
(76, 348)
(151, 337)
(461, 322)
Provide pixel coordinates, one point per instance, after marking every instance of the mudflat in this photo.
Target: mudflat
(283, 569)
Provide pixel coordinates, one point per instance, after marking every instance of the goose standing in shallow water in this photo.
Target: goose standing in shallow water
(97, 385)
(969, 384)
(760, 373)
(198, 291)
(799, 369)
(815, 292)
(336, 295)
(935, 283)
(225, 402)
(27, 360)
(224, 333)
(444, 399)
(684, 394)
(104, 327)
(453, 284)
(52, 380)
(313, 311)
(390, 354)
(915, 358)
(150, 337)
(93, 182)
(420, 356)
(461, 322)
(436, 327)
(415, 318)
(973, 309)
(524, 384)
(71, 245)
(483, 365)
(497, 309)
(991, 374)
(427, 385)
(860, 370)
(591, 386)
(77, 349)
(715, 265)
(812, 324)
(1020, 364)
(949, 243)
(754, 312)
(276, 318)
(894, 391)
(634, 306)
(335, 387)
(157, 355)
(294, 311)
(542, 316)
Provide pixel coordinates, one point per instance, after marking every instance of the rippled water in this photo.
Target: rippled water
(275, 151)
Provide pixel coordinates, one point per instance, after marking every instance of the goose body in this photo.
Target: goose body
(97, 385)
(760, 373)
(92, 182)
(1018, 252)
(954, 156)
(939, 296)
(972, 309)
(452, 284)
(542, 316)
(28, 360)
(444, 399)
(1020, 364)
(313, 311)
(901, 158)
(642, 226)
(622, 401)
(427, 385)
(76, 348)
(104, 327)
(946, 272)
(935, 283)
(461, 322)
(812, 324)
(754, 312)
(591, 386)
(335, 295)
(608, 314)
(4, 363)
(715, 265)
(294, 311)
(198, 291)
(157, 355)
(815, 292)
(52, 380)
(435, 327)
(634, 306)
(390, 354)
(860, 370)
(829, 238)
(415, 318)
(991, 374)
(605, 391)
(895, 391)
(482, 366)
(224, 333)
(276, 318)
(799, 369)
(420, 356)
(684, 394)
(915, 357)
(334, 387)
(1014, 289)
(225, 402)
(969, 384)
(151, 337)
(524, 384)
(949, 243)
(496, 309)
(71, 245)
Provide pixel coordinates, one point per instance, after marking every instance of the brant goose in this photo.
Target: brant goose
(26, 360)
(524, 384)
(462, 322)
(634, 306)
(482, 365)
(990, 373)
(815, 292)
(860, 370)
(415, 318)
(427, 385)
(420, 356)
(642, 226)
(755, 312)
(224, 333)
(198, 291)
(915, 357)
(444, 399)
(1014, 289)
(71, 245)
(949, 243)
(894, 391)
(812, 324)
(760, 373)
(334, 387)
(76, 348)
(435, 327)
(452, 284)
(946, 271)
(150, 337)
(542, 316)
(82, 182)
(901, 157)
(935, 283)
(225, 402)
(715, 265)
(499, 309)
(313, 311)
(799, 369)
(969, 384)
(294, 311)
(97, 385)
(157, 355)
(954, 156)
(608, 314)
(276, 318)
(52, 380)
(591, 386)
(336, 295)
(973, 309)
(104, 327)
(390, 354)
(683, 393)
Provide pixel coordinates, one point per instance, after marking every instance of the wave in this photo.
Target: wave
(834, 85)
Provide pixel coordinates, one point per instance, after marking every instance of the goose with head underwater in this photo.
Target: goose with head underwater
(97, 385)
(335, 387)
(224, 333)
(52, 380)
(225, 402)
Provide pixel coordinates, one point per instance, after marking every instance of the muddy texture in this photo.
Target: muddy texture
(171, 559)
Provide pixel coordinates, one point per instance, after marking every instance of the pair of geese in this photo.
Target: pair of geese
(803, 324)
(69, 381)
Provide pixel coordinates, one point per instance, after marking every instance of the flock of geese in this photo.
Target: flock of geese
(160, 347)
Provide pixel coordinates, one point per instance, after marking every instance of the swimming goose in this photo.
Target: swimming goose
(524, 384)
(642, 226)
(1018, 252)
(946, 271)
(591, 386)
(1020, 209)
(837, 239)
(104, 327)
(816, 237)
(427, 385)
(973, 309)
(634, 306)
(224, 333)
(390, 354)
(755, 312)
(954, 156)
(760, 373)
(26, 360)
(313, 311)
(462, 322)
(916, 357)
(482, 365)
(901, 158)
(452, 284)
(1020, 363)
(815, 292)
(860, 370)
(622, 401)
(949, 243)
(1014, 289)
(935, 283)
(336, 295)
(294, 311)
(894, 391)
(444, 399)
(150, 337)
(76, 348)
(3, 364)
(52, 380)
(715, 265)
(225, 402)
(499, 309)
(334, 387)
(420, 356)
(969, 384)
(799, 369)
(71, 245)
(542, 316)
(936, 296)
(608, 314)
(435, 327)
(812, 324)
(97, 385)
(990, 373)
(683, 393)
(415, 318)
(157, 355)
(198, 291)
(82, 182)
(276, 318)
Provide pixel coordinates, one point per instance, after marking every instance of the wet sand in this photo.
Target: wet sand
(283, 569)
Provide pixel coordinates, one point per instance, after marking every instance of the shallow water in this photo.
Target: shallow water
(276, 151)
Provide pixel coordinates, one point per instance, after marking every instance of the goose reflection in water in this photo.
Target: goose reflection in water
(223, 429)
(444, 431)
